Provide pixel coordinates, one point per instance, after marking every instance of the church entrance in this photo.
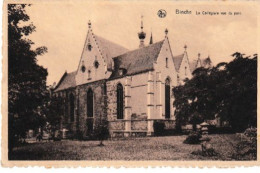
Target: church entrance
(167, 98)
(90, 111)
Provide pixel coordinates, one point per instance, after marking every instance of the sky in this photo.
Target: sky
(62, 28)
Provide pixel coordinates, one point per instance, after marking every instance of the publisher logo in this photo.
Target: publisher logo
(162, 13)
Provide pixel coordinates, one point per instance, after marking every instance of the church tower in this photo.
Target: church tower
(141, 34)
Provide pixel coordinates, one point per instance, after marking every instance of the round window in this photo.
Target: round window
(83, 68)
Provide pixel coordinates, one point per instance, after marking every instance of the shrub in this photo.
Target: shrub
(247, 148)
(158, 127)
(101, 132)
(251, 132)
(79, 135)
(220, 130)
(206, 153)
(193, 138)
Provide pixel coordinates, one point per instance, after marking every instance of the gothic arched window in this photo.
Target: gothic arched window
(90, 100)
(72, 107)
(120, 99)
(167, 98)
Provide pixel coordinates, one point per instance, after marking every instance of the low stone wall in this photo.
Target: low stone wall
(139, 125)
(170, 124)
(117, 125)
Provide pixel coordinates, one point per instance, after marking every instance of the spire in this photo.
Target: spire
(142, 27)
(141, 34)
(151, 38)
(198, 61)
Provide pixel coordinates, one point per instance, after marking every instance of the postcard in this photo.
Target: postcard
(130, 83)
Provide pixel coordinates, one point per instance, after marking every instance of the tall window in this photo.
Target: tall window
(167, 98)
(120, 99)
(72, 107)
(89, 75)
(166, 62)
(90, 103)
(185, 71)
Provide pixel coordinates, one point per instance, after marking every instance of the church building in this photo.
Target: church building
(130, 89)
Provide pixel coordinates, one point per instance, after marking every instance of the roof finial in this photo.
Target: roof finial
(185, 47)
(141, 34)
(151, 38)
(89, 24)
(166, 31)
(142, 22)
(198, 55)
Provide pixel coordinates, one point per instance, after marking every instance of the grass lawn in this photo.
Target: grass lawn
(147, 148)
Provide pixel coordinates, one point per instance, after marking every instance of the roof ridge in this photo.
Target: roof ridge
(94, 36)
(109, 41)
(139, 49)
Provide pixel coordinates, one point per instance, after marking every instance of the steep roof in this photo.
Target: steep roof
(193, 65)
(67, 81)
(109, 49)
(137, 61)
(177, 61)
(205, 62)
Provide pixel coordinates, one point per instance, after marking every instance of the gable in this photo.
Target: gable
(195, 64)
(96, 59)
(109, 50)
(184, 69)
(164, 66)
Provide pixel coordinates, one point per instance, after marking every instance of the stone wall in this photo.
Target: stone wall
(99, 103)
(170, 124)
(79, 127)
(139, 125)
(117, 125)
(112, 98)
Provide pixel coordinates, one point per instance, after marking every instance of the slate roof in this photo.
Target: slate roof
(193, 65)
(177, 61)
(109, 50)
(67, 81)
(136, 61)
(205, 62)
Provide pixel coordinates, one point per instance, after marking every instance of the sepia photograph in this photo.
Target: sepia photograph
(130, 81)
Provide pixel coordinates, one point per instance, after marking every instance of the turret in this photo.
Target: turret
(141, 34)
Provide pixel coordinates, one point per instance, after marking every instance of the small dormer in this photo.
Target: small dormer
(122, 71)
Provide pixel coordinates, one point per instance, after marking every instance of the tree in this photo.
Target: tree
(53, 111)
(240, 100)
(26, 79)
(227, 91)
(101, 130)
